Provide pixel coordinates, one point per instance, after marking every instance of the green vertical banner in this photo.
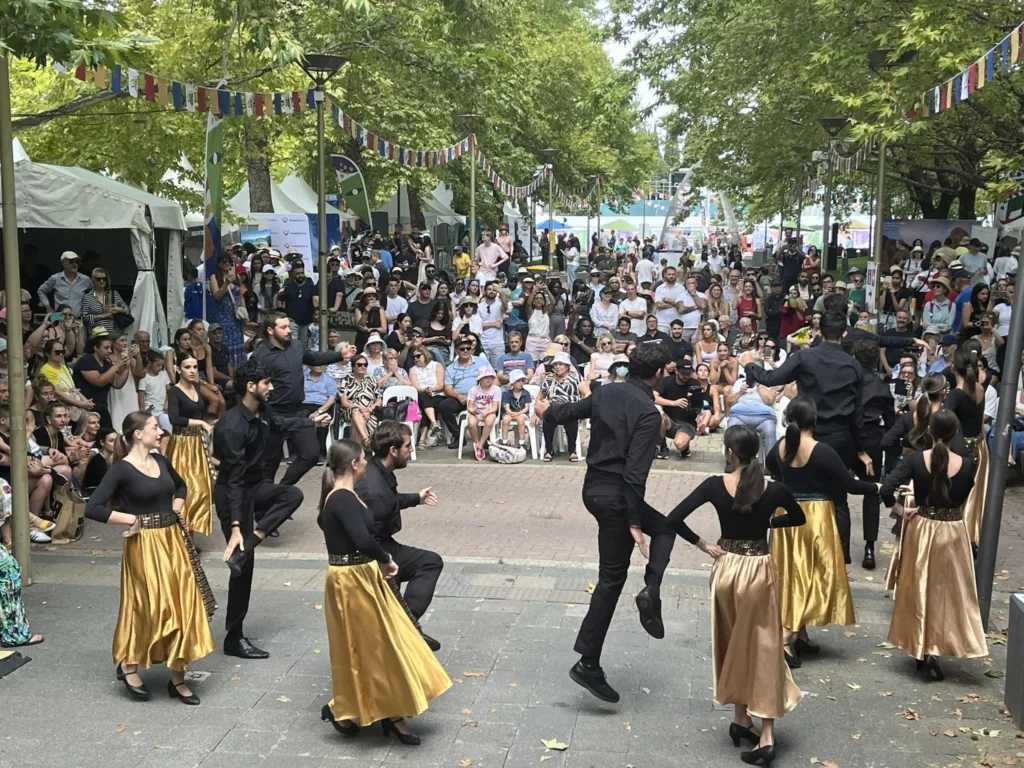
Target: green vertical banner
(212, 194)
(352, 188)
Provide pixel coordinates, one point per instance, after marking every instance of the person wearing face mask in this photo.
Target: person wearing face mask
(619, 369)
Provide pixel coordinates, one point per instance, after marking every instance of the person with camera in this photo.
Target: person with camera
(681, 399)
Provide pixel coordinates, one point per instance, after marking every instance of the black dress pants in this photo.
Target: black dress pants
(871, 501)
(572, 429)
(297, 428)
(448, 410)
(269, 503)
(419, 570)
(603, 499)
(840, 438)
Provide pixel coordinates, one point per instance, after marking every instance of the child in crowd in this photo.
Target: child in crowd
(153, 390)
(515, 406)
(482, 404)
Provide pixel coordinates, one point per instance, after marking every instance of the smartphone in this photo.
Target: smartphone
(56, 317)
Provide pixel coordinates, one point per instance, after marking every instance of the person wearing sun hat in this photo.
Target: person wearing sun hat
(940, 310)
(482, 403)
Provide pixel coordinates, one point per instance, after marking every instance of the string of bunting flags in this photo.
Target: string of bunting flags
(222, 102)
(1002, 57)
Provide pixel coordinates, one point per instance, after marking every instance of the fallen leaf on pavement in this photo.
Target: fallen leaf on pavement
(936, 697)
(467, 711)
(629, 726)
(513, 685)
(885, 693)
(457, 680)
(471, 724)
(287, 584)
(996, 639)
(970, 697)
(284, 699)
(886, 644)
(554, 744)
(949, 732)
(646, 691)
(235, 678)
(317, 650)
(934, 733)
(474, 674)
(465, 763)
(964, 729)
(120, 728)
(545, 757)
(911, 714)
(318, 607)
(996, 673)
(958, 713)
(855, 736)
(883, 654)
(850, 634)
(590, 589)
(853, 686)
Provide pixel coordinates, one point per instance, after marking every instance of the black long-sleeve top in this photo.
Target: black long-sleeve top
(828, 376)
(877, 404)
(913, 470)
(239, 441)
(181, 408)
(824, 474)
(137, 492)
(895, 440)
(379, 491)
(970, 414)
(625, 427)
(750, 526)
(285, 369)
(347, 525)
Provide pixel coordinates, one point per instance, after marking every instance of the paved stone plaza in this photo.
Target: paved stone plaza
(513, 593)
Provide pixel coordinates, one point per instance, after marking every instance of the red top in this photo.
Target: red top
(747, 305)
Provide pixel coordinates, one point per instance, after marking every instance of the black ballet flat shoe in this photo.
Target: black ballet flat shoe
(804, 648)
(244, 649)
(932, 670)
(648, 603)
(760, 756)
(344, 727)
(432, 644)
(410, 739)
(793, 662)
(140, 692)
(593, 679)
(868, 563)
(919, 663)
(174, 693)
(737, 732)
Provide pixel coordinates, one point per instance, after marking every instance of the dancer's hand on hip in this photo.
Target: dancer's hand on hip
(638, 537)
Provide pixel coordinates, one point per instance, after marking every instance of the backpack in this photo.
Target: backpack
(506, 454)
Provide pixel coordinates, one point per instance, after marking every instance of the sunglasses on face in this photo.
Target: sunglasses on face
(463, 349)
(361, 365)
(58, 351)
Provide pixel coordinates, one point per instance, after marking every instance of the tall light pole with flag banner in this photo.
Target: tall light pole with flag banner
(549, 159)
(213, 189)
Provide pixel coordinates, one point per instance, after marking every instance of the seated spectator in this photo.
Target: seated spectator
(14, 630)
(373, 350)
(583, 343)
(99, 460)
(711, 410)
(427, 375)
(482, 403)
(223, 371)
(50, 432)
(42, 393)
(360, 397)
(401, 338)
(619, 371)
(459, 378)
(515, 359)
(515, 407)
(437, 332)
(40, 481)
(625, 339)
(602, 358)
(392, 374)
(49, 458)
(754, 407)
(681, 399)
(562, 385)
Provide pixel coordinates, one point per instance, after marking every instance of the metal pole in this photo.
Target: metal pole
(799, 210)
(398, 197)
(643, 226)
(321, 214)
(600, 203)
(551, 219)
(588, 229)
(472, 196)
(879, 204)
(985, 568)
(533, 223)
(15, 348)
(826, 228)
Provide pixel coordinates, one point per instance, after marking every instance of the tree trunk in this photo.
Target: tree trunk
(968, 201)
(258, 166)
(416, 218)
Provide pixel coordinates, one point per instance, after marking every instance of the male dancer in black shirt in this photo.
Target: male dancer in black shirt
(834, 381)
(625, 429)
(244, 495)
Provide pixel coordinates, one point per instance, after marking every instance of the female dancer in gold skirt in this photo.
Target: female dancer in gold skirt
(967, 402)
(186, 449)
(750, 671)
(166, 602)
(815, 590)
(936, 602)
(381, 668)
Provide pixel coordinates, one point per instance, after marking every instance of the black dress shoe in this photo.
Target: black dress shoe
(793, 662)
(410, 739)
(762, 756)
(236, 563)
(869, 556)
(804, 648)
(737, 732)
(432, 644)
(243, 649)
(593, 679)
(139, 692)
(174, 693)
(649, 604)
(344, 727)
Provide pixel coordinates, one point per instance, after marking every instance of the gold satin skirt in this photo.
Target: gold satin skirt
(187, 453)
(936, 602)
(380, 665)
(974, 508)
(812, 567)
(746, 619)
(162, 616)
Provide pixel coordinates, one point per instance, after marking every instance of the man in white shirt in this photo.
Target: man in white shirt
(975, 262)
(572, 263)
(1006, 264)
(492, 314)
(731, 291)
(645, 269)
(396, 305)
(716, 261)
(690, 307)
(634, 307)
(666, 297)
(490, 256)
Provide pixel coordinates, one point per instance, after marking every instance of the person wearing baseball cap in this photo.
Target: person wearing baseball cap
(625, 431)
(66, 287)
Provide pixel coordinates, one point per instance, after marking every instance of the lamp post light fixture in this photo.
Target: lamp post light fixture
(321, 67)
(833, 126)
(466, 123)
(549, 156)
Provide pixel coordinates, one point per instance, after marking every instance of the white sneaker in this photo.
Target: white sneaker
(38, 537)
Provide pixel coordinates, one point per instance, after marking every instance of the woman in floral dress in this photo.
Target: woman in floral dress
(14, 631)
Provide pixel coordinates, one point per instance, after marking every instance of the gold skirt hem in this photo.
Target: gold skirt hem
(380, 665)
(162, 617)
(187, 454)
(974, 507)
(746, 617)
(812, 569)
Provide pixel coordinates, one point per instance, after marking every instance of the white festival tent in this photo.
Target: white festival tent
(296, 188)
(437, 208)
(134, 234)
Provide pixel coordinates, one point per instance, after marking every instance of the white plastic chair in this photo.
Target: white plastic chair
(404, 392)
(464, 430)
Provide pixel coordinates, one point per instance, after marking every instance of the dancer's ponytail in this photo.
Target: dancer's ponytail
(932, 388)
(801, 416)
(943, 428)
(743, 443)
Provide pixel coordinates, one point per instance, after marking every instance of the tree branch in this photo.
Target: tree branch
(71, 107)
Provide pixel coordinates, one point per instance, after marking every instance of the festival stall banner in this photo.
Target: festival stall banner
(351, 188)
